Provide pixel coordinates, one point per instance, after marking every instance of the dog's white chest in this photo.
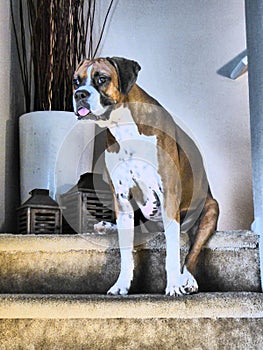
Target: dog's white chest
(136, 163)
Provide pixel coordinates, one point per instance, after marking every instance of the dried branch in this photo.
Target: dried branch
(103, 29)
(53, 36)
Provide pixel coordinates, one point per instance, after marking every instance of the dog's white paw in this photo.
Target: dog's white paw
(118, 289)
(104, 227)
(187, 285)
(188, 282)
(173, 290)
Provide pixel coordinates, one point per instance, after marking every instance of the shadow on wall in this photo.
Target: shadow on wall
(12, 193)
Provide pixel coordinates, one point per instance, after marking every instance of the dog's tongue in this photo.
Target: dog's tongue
(83, 111)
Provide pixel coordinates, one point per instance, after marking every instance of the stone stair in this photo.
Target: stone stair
(53, 295)
(203, 321)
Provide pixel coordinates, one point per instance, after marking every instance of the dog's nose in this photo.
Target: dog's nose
(81, 94)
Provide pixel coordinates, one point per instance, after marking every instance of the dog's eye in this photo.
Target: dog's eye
(76, 83)
(102, 80)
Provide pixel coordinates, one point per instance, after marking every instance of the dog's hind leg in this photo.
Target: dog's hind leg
(207, 226)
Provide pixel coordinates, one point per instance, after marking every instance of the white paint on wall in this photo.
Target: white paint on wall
(181, 45)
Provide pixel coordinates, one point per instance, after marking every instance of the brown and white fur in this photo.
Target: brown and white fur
(151, 160)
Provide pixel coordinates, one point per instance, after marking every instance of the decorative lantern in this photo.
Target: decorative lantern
(40, 214)
(88, 203)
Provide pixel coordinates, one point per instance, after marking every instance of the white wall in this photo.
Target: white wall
(181, 45)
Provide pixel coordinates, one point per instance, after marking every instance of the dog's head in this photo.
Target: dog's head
(101, 84)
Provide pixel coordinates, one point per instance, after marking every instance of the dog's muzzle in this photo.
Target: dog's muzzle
(82, 109)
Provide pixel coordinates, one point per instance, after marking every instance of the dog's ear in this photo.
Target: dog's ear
(127, 71)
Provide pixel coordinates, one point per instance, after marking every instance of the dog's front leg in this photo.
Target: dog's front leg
(125, 225)
(177, 283)
(172, 263)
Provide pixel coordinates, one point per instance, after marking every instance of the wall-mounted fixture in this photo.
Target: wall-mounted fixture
(240, 68)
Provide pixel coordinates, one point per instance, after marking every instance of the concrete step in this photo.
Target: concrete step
(80, 264)
(211, 321)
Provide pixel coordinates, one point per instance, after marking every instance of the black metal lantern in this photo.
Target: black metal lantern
(88, 203)
(40, 214)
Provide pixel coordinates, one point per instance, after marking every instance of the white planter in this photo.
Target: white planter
(55, 149)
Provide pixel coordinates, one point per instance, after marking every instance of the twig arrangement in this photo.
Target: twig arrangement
(52, 38)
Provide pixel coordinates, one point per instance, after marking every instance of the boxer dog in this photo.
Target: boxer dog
(151, 161)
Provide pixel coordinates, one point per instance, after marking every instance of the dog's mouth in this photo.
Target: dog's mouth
(83, 112)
